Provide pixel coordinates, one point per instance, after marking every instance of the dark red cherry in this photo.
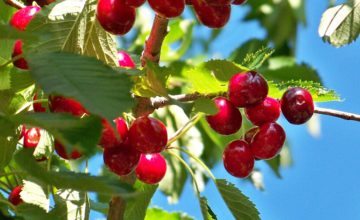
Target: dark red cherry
(61, 151)
(228, 119)
(39, 2)
(213, 16)
(188, 2)
(218, 2)
(22, 17)
(151, 168)
(297, 105)
(67, 105)
(250, 134)
(115, 16)
(238, 2)
(167, 8)
(31, 137)
(238, 159)
(121, 159)
(14, 196)
(148, 135)
(266, 111)
(17, 51)
(125, 60)
(37, 106)
(247, 88)
(134, 3)
(111, 139)
(268, 141)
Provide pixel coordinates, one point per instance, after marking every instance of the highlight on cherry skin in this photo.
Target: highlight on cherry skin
(125, 60)
(31, 137)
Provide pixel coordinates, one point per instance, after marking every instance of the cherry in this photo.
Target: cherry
(218, 2)
(167, 8)
(14, 196)
(238, 159)
(17, 51)
(228, 119)
(109, 138)
(125, 60)
(134, 3)
(247, 88)
(22, 17)
(121, 159)
(115, 16)
(151, 168)
(39, 2)
(32, 138)
(61, 151)
(297, 105)
(266, 111)
(268, 141)
(213, 16)
(238, 2)
(188, 2)
(249, 135)
(69, 105)
(37, 106)
(148, 135)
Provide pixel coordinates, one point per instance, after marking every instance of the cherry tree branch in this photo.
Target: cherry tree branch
(15, 4)
(338, 114)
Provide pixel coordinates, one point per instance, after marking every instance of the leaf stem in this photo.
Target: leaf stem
(14, 3)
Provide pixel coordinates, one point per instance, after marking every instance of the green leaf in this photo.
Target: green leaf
(33, 193)
(75, 204)
(205, 105)
(5, 78)
(33, 212)
(8, 141)
(206, 211)
(71, 26)
(249, 47)
(240, 205)
(340, 25)
(74, 76)
(136, 208)
(157, 213)
(71, 180)
(274, 164)
(256, 59)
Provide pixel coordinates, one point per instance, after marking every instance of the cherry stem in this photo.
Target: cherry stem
(338, 114)
(15, 4)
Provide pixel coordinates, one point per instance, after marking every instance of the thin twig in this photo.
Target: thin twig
(338, 114)
(15, 4)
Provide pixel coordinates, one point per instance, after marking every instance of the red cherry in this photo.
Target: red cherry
(247, 88)
(37, 106)
(39, 2)
(125, 60)
(238, 2)
(228, 119)
(297, 105)
(268, 141)
(115, 16)
(109, 138)
(218, 2)
(121, 159)
(238, 159)
(61, 151)
(14, 196)
(167, 8)
(148, 135)
(32, 138)
(188, 2)
(213, 16)
(266, 111)
(134, 3)
(22, 17)
(69, 105)
(250, 134)
(20, 62)
(151, 168)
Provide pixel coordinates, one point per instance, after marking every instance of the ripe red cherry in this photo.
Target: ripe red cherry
(37, 106)
(218, 2)
(238, 2)
(151, 168)
(109, 138)
(297, 105)
(125, 60)
(14, 196)
(134, 3)
(238, 159)
(228, 119)
(22, 17)
(115, 16)
(64, 104)
(247, 88)
(266, 111)
(121, 159)
(268, 141)
(148, 135)
(250, 134)
(17, 51)
(213, 16)
(32, 138)
(61, 151)
(168, 8)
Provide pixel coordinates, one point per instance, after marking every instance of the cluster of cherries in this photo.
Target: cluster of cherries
(118, 16)
(249, 90)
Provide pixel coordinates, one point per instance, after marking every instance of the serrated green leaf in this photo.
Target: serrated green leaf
(157, 213)
(8, 140)
(274, 164)
(75, 204)
(223, 70)
(33, 212)
(74, 76)
(33, 193)
(206, 211)
(71, 180)
(206, 106)
(251, 46)
(71, 26)
(340, 25)
(240, 205)
(256, 59)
